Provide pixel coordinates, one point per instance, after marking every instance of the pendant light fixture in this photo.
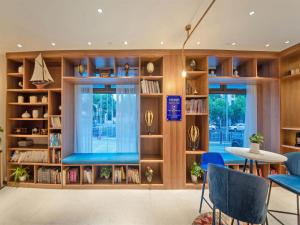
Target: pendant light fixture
(189, 32)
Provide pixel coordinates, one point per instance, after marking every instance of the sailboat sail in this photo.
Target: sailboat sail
(40, 73)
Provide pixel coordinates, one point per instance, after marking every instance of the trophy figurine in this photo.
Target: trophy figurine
(194, 134)
(149, 120)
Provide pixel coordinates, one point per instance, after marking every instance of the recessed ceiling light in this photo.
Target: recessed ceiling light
(100, 11)
(89, 43)
(267, 45)
(19, 45)
(287, 42)
(162, 43)
(198, 43)
(233, 43)
(125, 43)
(251, 13)
(53, 44)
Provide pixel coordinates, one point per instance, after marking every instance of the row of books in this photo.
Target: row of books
(55, 156)
(71, 175)
(196, 106)
(119, 174)
(55, 139)
(55, 122)
(150, 86)
(48, 175)
(87, 176)
(29, 156)
(133, 176)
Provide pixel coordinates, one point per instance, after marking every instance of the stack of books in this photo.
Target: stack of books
(87, 176)
(55, 156)
(55, 122)
(119, 174)
(49, 175)
(133, 176)
(71, 175)
(29, 156)
(150, 87)
(196, 106)
(55, 139)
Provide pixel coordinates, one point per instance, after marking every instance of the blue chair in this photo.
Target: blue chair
(239, 195)
(209, 158)
(290, 182)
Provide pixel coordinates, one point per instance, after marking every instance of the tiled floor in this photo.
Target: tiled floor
(20, 206)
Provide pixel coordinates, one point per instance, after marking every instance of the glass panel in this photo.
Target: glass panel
(226, 121)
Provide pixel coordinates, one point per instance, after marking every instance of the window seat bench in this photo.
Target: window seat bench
(101, 158)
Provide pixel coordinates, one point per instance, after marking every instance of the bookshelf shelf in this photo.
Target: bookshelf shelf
(196, 152)
(291, 147)
(196, 114)
(29, 119)
(291, 128)
(28, 104)
(27, 136)
(151, 136)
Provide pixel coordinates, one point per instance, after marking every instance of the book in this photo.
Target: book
(49, 175)
(196, 106)
(55, 139)
(55, 122)
(150, 87)
(133, 176)
(29, 156)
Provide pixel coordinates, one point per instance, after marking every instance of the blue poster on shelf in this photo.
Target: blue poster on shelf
(174, 108)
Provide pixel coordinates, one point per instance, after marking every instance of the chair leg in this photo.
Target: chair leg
(298, 213)
(220, 217)
(246, 161)
(232, 221)
(214, 216)
(269, 194)
(203, 189)
(267, 222)
(257, 168)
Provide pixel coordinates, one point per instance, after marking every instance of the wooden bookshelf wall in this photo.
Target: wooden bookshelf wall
(166, 149)
(257, 69)
(290, 96)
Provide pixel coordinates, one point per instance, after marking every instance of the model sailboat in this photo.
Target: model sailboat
(41, 76)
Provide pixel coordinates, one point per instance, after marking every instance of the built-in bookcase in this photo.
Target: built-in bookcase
(290, 96)
(57, 140)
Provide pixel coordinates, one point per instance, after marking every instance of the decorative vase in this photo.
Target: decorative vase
(45, 99)
(149, 120)
(254, 148)
(194, 134)
(20, 69)
(194, 179)
(22, 178)
(32, 99)
(193, 64)
(150, 67)
(26, 115)
(20, 99)
(149, 179)
(35, 113)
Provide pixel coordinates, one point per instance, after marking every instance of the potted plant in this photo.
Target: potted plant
(20, 174)
(196, 172)
(105, 172)
(255, 141)
(149, 174)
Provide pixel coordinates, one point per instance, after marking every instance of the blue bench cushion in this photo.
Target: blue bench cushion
(102, 158)
(289, 182)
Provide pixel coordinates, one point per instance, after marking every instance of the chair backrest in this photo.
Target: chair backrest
(239, 195)
(293, 163)
(213, 158)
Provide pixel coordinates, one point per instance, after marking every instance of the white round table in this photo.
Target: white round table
(262, 156)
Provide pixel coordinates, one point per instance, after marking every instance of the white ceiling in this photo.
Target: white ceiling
(144, 24)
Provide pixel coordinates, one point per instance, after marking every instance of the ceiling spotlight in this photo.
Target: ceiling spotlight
(125, 43)
(267, 45)
(251, 13)
(100, 11)
(162, 43)
(198, 43)
(233, 43)
(89, 43)
(53, 44)
(19, 45)
(287, 42)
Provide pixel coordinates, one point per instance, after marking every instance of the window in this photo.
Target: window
(232, 116)
(103, 115)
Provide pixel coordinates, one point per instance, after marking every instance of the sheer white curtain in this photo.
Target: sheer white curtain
(127, 118)
(83, 118)
(251, 113)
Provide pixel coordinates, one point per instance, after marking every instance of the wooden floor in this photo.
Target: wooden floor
(112, 207)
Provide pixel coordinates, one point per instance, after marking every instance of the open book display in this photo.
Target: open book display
(41, 76)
